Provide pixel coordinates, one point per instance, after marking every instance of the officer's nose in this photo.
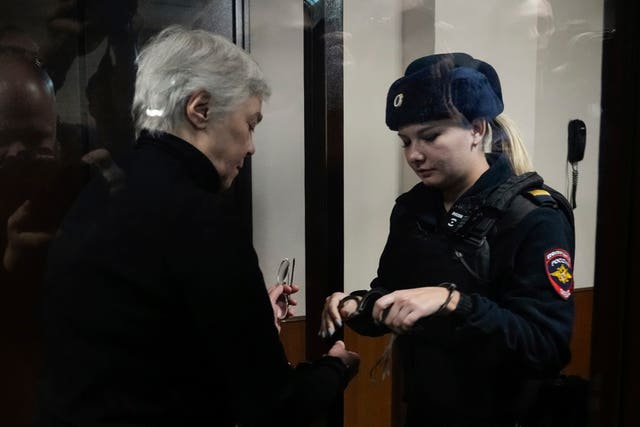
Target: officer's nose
(413, 154)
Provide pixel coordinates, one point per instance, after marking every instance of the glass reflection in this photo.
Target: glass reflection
(67, 70)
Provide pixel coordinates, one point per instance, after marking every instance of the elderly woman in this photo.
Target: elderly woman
(155, 309)
(475, 280)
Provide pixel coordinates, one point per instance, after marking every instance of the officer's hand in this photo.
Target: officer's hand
(333, 313)
(400, 310)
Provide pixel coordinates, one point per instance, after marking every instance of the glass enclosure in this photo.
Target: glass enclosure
(327, 169)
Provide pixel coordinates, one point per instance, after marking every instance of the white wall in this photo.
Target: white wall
(497, 32)
(569, 76)
(373, 54)
(276, 28)
(500, 33)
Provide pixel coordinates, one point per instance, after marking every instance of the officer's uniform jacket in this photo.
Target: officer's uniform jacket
(514, 322)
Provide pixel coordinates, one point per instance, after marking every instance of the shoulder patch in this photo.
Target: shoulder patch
(557, 263)
(541, 197)
(539, 192)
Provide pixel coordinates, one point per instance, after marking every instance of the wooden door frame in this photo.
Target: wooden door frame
(615, 342)
(324, 207)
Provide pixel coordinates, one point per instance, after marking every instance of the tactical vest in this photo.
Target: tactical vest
(500, 212)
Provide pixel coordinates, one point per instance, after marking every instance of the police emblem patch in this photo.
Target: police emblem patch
(557, 263)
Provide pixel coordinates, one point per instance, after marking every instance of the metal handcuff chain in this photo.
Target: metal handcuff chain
(357, 298)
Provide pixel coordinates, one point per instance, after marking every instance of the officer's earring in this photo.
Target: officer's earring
(476, 138)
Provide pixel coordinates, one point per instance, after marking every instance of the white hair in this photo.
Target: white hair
(178, 62)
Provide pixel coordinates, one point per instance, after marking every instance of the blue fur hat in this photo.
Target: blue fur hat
(442, 86)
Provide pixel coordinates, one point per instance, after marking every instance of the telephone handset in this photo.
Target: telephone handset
(577, 140)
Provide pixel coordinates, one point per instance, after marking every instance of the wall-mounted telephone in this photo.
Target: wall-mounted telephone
(577, 140)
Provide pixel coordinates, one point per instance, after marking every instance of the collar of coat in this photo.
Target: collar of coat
(197, 165)
(427, 202)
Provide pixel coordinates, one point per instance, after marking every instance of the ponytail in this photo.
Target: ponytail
(507, 139)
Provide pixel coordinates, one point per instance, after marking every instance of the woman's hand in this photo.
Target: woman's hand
(281, 302)
(351, 359)
(400, 310)
(333, 313)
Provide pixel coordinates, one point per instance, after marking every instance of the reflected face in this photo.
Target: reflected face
(27, 133)
(440, 152)
(232, 139)
(27, 115)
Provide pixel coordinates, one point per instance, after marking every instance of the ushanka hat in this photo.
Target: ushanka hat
(443, 86)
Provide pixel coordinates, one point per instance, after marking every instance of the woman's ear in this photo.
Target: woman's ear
(197, 110)
(478, 130)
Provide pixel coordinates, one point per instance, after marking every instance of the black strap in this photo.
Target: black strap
(502, 210)
(475, 224)
(501, 198)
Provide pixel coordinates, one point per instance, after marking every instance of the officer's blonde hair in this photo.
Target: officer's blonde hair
(504, 136)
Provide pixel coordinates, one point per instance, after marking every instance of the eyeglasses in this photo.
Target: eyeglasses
(284, 276)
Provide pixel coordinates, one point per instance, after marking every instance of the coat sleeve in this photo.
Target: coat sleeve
(225, 295)
(362, 322)
(530, 319)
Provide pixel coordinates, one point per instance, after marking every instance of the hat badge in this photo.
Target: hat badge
(397, 101)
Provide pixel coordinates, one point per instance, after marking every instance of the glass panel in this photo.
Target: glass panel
(548, 55)
(278, 166)
(547, 52)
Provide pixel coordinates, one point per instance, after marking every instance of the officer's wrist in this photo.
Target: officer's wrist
(451, 291)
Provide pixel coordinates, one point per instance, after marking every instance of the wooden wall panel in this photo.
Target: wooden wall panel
(367, 401)
(581, 341)
(292, 336)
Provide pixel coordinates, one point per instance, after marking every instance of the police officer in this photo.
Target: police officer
(475, 280)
